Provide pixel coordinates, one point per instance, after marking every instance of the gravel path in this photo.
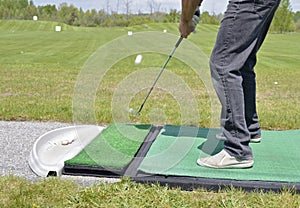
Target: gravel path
(16, 142)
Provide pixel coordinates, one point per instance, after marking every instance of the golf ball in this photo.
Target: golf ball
(65, 142)
(130, 110)
(138, 59)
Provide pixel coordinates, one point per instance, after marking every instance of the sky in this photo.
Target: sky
(212, 6)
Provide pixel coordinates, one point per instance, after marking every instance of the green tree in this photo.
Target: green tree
(47, 12)
(173, 16)
(30, 11)
(88, 19)
(206, 18)
(68, 14)
(13, 9)
(297, 20)
(297, 16)
(283, 20)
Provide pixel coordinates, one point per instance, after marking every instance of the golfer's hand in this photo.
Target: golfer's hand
(186, 28)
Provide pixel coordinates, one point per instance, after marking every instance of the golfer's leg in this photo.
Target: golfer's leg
(237, 38)
(229, 55)
(249, 88)
(249, 77)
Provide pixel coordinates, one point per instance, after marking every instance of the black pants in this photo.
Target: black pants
(241, 34)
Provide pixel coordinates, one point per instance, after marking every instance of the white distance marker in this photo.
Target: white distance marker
(138, 59)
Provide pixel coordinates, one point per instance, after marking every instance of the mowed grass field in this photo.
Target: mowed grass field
(39, 69)
(38, 73)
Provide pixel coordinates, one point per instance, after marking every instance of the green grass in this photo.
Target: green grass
(38, 73)
(28, 25)
(55, 192)
(279, 105)
(39, 69)
(118, 142)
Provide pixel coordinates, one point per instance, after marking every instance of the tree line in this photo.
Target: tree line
(285, 20)
(69, 14)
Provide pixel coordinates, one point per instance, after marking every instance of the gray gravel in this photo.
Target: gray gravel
(16, 142)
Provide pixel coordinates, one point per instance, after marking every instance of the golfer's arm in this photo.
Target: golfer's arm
(188, 9)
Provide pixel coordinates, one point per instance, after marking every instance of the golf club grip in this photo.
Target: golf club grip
(179, 41)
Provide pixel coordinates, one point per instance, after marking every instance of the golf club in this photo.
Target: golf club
(130, 110)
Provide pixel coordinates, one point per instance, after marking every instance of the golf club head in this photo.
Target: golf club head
(133, 112)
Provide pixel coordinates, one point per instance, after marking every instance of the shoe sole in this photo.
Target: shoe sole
(242, 165)
(256, 140)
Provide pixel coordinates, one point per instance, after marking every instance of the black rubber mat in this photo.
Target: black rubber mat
(168, 155)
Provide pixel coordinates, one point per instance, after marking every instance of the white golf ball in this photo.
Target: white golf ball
(65, 142)
(130, 110)
(138, 59)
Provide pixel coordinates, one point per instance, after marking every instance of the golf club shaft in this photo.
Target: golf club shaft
(159, 74)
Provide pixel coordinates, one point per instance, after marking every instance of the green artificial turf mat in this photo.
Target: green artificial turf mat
(277, 157)
(114, 147)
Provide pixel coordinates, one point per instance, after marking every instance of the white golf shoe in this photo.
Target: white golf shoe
(224, 160)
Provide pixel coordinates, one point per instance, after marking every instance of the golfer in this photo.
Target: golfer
(241, 34)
